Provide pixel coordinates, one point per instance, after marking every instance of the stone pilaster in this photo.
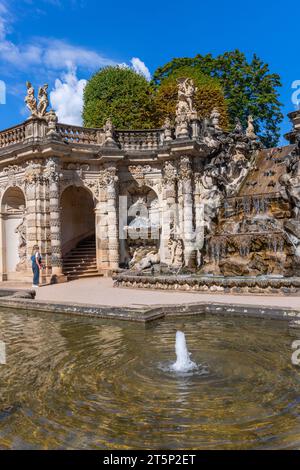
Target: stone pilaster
(107, 219)
(199, 215)
(169, 213)
(52, 174)
(112, 215)
(102, 230)
(30, 192)
(186, 196)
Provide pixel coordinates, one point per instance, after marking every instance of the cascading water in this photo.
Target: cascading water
(183, 362)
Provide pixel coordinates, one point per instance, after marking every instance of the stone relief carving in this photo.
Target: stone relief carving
(22, 245)
(144, 258)
(169, 171)
(250, 132)
(138, 172)
(108, 178)
(33, 171)
(290, 191)
(175, 247)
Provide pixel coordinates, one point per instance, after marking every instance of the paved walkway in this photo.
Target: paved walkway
(100, 291)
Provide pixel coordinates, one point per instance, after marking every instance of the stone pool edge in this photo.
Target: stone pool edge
(24, 300)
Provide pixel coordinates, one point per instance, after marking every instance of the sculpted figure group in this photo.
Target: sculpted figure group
(37, 108)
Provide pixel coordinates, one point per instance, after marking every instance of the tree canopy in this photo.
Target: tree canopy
(249, 88)
(121, 94)
(209, 95)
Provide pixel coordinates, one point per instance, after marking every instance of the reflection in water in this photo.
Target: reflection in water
(79, 383)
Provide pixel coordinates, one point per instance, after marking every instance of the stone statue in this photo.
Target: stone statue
(43, 100)
(144, 259)
(236, 169)
(22, 245)
(167, 130)
(238, 127)
(250, 132)
(182, 125)
(109, 133)
(30, 100)
(215, 119)
(52, 120)
(37, 110)
(186, 93)
(176, 252)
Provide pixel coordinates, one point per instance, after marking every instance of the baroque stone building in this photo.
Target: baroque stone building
(188, 196)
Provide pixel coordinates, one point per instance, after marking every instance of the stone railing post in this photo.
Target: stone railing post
(35, 129)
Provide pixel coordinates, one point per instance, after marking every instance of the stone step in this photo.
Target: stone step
(81, 261)
(83, 250)
(72, 277)
(83, 255)
(80, 269)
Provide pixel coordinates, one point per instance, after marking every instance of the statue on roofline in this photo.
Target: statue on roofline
(186, 94)
(37, 109)
(30, 100)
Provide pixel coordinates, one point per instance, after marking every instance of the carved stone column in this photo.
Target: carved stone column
(199, 213)
(55, 219)
(102, 229)
(112, 216)
(107, 215)
(32, 175)
(169, 213)
(186, 189)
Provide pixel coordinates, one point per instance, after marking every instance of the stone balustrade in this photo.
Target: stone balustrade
(12, 136)
(127, 140)
(140, 140)
(77, 134)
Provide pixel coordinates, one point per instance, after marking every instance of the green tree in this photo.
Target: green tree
(209, 95)
(249, 88)
(120, 94)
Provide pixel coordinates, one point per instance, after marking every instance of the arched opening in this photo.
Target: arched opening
(13, 232)
(77, 217)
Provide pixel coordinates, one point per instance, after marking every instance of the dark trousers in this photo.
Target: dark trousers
(36, 274)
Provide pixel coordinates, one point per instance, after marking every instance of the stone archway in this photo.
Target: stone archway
(13, 233)
(77, 216)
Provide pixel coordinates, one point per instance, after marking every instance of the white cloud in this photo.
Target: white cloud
(50, 53)
(46, 58)
(139, 66)
(67, 98)
(5, 19)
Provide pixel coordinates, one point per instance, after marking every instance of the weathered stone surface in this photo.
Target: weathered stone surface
(234, 267)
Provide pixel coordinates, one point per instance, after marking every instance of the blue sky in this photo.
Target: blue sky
(64, 42)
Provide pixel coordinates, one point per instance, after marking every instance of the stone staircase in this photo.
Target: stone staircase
(80, 262)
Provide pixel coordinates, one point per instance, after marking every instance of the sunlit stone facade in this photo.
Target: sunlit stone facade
(177, 197)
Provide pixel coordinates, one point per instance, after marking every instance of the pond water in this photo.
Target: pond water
(78, 383)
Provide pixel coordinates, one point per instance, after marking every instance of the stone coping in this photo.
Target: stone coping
(143, 314)
(215, 284)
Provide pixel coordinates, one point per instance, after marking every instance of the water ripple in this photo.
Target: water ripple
(90, 384)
